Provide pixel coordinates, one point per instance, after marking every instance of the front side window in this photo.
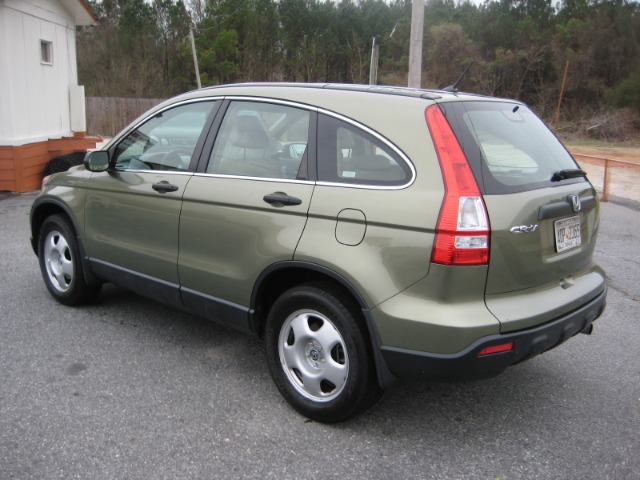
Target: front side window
(166, 141)
(347, 154)
(262, 140)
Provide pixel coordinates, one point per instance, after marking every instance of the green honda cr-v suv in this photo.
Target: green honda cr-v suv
(366, 233)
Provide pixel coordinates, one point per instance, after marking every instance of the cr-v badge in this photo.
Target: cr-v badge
(524, 229)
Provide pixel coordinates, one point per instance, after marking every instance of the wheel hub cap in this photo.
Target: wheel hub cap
(314, 354)
(58, 261)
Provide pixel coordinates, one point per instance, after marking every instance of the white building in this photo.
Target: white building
(42, 110)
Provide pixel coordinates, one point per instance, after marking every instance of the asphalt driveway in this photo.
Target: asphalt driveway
(127, 388)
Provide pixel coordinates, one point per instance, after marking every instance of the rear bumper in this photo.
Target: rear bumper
(467, 365)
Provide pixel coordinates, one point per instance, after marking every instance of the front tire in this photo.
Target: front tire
(319, 355)
(61, 263)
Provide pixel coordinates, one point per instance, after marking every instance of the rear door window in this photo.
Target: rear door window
(261, 140)
(508, 147)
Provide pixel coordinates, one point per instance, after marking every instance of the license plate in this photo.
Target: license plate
(567, 233)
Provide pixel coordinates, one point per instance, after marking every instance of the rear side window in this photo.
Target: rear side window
(348, 154)
(508, 147)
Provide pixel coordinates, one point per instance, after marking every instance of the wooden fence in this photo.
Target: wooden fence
(630, 175)
(106, 116)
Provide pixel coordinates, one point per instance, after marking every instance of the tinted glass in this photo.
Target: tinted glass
(261, 140)
(347, 154)
(509, 148)
(166, 141)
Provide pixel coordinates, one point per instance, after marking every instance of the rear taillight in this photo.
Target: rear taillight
(462, 232)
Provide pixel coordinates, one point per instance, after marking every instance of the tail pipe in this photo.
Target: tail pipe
(588, 330)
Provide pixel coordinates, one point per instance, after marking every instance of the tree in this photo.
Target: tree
(519, 47)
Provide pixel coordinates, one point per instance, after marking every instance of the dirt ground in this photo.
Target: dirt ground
(624, 168)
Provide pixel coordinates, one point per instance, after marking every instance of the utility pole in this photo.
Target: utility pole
(375, 56)
(415, 44)
(195, 57)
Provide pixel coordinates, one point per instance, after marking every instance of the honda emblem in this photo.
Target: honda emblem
(574, 200)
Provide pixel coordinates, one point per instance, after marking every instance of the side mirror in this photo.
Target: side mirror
(97, 161)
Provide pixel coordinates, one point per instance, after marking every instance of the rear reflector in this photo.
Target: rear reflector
(503, 347)
(462, 232)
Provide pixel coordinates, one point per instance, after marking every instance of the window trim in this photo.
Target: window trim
(313, 169)
(210, 133)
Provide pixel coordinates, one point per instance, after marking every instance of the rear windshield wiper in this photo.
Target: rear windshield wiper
(565, 174)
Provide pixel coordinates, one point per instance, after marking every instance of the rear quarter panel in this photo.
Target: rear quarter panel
(398, 223)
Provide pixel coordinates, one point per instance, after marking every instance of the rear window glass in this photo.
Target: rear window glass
(508, 147)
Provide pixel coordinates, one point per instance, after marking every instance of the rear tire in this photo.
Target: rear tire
(319, 355)
(61, 263)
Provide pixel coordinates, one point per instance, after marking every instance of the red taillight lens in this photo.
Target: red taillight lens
(503, 347)
(462, 233)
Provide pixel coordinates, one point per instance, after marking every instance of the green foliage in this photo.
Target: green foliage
(136, 18)
(136, 50)
(627, 93)
(219, 60)
(520, 47)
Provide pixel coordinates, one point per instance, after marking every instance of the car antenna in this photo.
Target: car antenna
(454, 87)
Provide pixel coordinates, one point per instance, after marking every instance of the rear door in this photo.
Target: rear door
(247, 208)
(543, 213)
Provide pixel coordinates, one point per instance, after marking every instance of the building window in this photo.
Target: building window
(46, 52)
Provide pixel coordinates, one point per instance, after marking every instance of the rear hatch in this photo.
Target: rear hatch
(543, 213)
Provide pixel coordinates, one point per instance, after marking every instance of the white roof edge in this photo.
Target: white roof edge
(80, 12)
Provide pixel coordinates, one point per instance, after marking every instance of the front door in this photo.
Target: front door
(133, 209)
